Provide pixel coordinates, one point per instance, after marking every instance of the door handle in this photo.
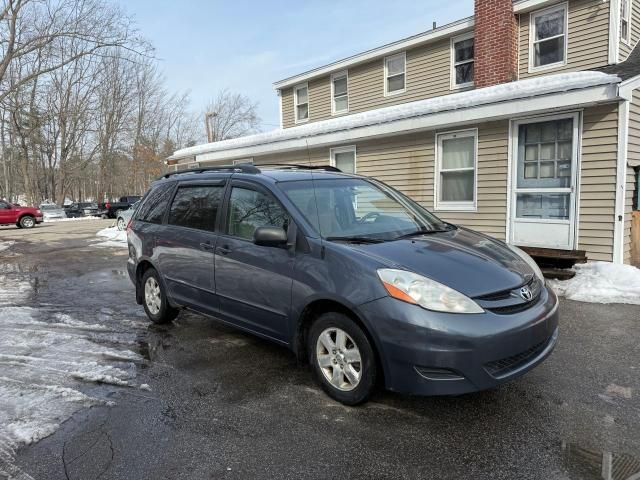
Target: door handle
(206, 246)
(224, 250)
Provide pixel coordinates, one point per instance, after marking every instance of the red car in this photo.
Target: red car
(21, 217)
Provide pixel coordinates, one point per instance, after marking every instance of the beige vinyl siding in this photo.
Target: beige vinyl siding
(625, 50)
(588, 39)
(630, 193)
(633, 158)
(633, 152)
(286, 102)
(598, 181)
(427, 75)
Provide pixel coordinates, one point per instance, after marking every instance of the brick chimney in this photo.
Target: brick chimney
(496, 43)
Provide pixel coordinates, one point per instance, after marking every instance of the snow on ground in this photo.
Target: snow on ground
(5, 245)
(73, 219)
(113, 237)
(50, 367)
(601, 282)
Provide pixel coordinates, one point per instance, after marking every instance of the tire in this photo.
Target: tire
(27, 222)
(353, 381)
(155, 304)
(120, 223)
(18, 225)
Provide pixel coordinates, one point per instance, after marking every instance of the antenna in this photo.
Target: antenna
(308, 154)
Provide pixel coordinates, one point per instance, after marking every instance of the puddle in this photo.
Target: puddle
(591, 464)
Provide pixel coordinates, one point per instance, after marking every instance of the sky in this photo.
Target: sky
(205, 46)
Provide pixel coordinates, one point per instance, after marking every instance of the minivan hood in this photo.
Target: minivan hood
(462, 259)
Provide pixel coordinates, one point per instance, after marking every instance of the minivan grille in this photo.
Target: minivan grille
(509, 301)
(504, 366)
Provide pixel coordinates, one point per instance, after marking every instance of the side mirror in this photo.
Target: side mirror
(270, 236)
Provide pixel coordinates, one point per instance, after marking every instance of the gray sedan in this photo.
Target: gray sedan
(125, 215)
(51, 211)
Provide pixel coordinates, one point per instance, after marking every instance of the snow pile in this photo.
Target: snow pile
(50, 364)
(17, 291)
(70, 219)
(601, 282)
(113, 237)
(498, 93)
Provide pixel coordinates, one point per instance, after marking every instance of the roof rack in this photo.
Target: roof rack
(240, 167)
(294, 166)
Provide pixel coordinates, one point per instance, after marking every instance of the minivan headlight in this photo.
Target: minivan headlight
(413, 288)
(530, 261)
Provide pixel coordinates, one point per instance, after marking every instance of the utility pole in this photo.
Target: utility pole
(207, 124)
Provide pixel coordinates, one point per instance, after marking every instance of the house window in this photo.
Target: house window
(395, 74)
(462, 62)
(456, 162)
(339, 92)
(301, 100)
(344, 158)
(625, 15)
(548, 38)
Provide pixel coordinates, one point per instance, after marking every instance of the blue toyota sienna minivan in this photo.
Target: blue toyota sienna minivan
(351, 275)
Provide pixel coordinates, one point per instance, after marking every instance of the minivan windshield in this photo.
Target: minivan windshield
(359, 210)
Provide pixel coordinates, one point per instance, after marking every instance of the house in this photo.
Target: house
(522, 121)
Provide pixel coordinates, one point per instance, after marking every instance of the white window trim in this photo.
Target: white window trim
(345, 149)
(454, 40)
(626, 41)
(445, 206)
(532, 26)
(335, 76)
(386, 76)
(295, 103)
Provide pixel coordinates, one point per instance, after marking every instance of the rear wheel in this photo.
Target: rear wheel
(27, 222)
(342, 358)
(154, 298)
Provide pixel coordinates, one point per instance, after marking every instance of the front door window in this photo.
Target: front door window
(545, 152)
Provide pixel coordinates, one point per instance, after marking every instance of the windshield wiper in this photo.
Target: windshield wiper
(426, 231)
(354, 239)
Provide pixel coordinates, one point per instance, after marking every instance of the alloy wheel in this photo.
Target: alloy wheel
(339, 359)
(152, 295)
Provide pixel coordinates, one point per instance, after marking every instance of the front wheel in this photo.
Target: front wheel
(27, 222)
(120, 223)
(154, 299)
(342, 358)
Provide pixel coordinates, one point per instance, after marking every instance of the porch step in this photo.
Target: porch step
(558, 273)
(556, 263)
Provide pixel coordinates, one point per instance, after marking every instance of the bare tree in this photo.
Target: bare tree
(39, 29)
(230, 115)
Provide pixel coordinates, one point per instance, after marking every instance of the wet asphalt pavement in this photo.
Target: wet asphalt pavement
(223, 404)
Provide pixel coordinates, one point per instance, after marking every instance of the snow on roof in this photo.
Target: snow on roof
(498, 93)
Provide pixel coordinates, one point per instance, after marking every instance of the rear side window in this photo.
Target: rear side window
(250, 209)
(196, 206)
(155, 203)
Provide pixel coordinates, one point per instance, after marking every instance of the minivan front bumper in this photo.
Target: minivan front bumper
(431, 353)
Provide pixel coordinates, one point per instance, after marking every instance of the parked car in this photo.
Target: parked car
(113, 209)
(51, 211)
(347, 272)
(21, 217)
(83, 209)
(125, 215)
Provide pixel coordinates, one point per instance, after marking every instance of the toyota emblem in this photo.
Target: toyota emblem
(526, 294)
